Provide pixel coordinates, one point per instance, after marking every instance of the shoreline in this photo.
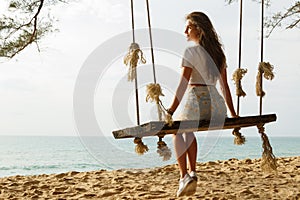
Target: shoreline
(228, 179)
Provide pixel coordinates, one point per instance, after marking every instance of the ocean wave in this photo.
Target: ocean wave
(50, 167)
(30, 167)
(33, 169)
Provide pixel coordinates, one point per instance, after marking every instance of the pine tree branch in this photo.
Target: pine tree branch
(278, 18)
(33, 33)
(18, 31)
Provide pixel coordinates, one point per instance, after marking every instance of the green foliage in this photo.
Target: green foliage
(289, 17)
(266, 2)
(25, 22)
(230, 1)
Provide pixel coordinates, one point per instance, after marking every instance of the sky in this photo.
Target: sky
(37, 88)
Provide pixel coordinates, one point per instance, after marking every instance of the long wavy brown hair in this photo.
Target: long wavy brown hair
(210, 39)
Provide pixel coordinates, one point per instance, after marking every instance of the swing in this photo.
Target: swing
(161, 128)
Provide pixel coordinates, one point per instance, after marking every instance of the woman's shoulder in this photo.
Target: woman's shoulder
(195, 49)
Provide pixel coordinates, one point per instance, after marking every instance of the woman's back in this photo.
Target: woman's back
(197, 58)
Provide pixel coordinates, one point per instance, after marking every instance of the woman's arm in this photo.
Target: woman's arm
(184, 80)
(226, 92)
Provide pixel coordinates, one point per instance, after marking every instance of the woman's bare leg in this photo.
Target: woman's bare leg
(181, 153)
(191, 143)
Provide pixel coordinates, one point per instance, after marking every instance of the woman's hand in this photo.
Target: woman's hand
(170, 112)
(184, 79)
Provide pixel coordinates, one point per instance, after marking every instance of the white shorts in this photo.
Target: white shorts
(204, 102)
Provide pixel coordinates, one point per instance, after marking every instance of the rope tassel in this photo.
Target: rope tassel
(268, 159)
(140, 147)
(265, 69)
(239, 138)
(237, 77)
(154, 91)
(163, 150)
(132, 58)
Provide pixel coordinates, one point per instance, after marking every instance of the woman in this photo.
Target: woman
(202, 66)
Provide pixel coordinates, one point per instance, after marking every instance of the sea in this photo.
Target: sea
(33, 155)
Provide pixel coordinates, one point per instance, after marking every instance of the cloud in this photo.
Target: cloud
(106, 10)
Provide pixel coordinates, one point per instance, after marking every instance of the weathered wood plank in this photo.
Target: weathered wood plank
(160, 128)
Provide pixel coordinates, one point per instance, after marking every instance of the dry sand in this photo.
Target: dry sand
(231, 179)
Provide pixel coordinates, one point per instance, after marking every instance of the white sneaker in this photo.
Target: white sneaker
(193, 175)
(187, 186)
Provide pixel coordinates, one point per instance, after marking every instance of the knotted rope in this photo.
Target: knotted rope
(154, 92)
(239, 90)
(140, 147)
(163, 150)
(237, 77)
(239, 138)
(265, 69)
(268, 159)
(132, 58)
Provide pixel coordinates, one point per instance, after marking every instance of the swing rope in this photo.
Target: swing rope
(133, 56)
(237, 77)
(239, 138)
(261, 56)
(151, 41)
(265, 69)
(163, 150)
(154, 92)
(268, 158)
(268, 162)
(154, 89)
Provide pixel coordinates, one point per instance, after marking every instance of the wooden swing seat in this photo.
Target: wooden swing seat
(160, 128)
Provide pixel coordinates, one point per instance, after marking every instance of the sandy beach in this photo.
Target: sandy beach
(231, 179)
